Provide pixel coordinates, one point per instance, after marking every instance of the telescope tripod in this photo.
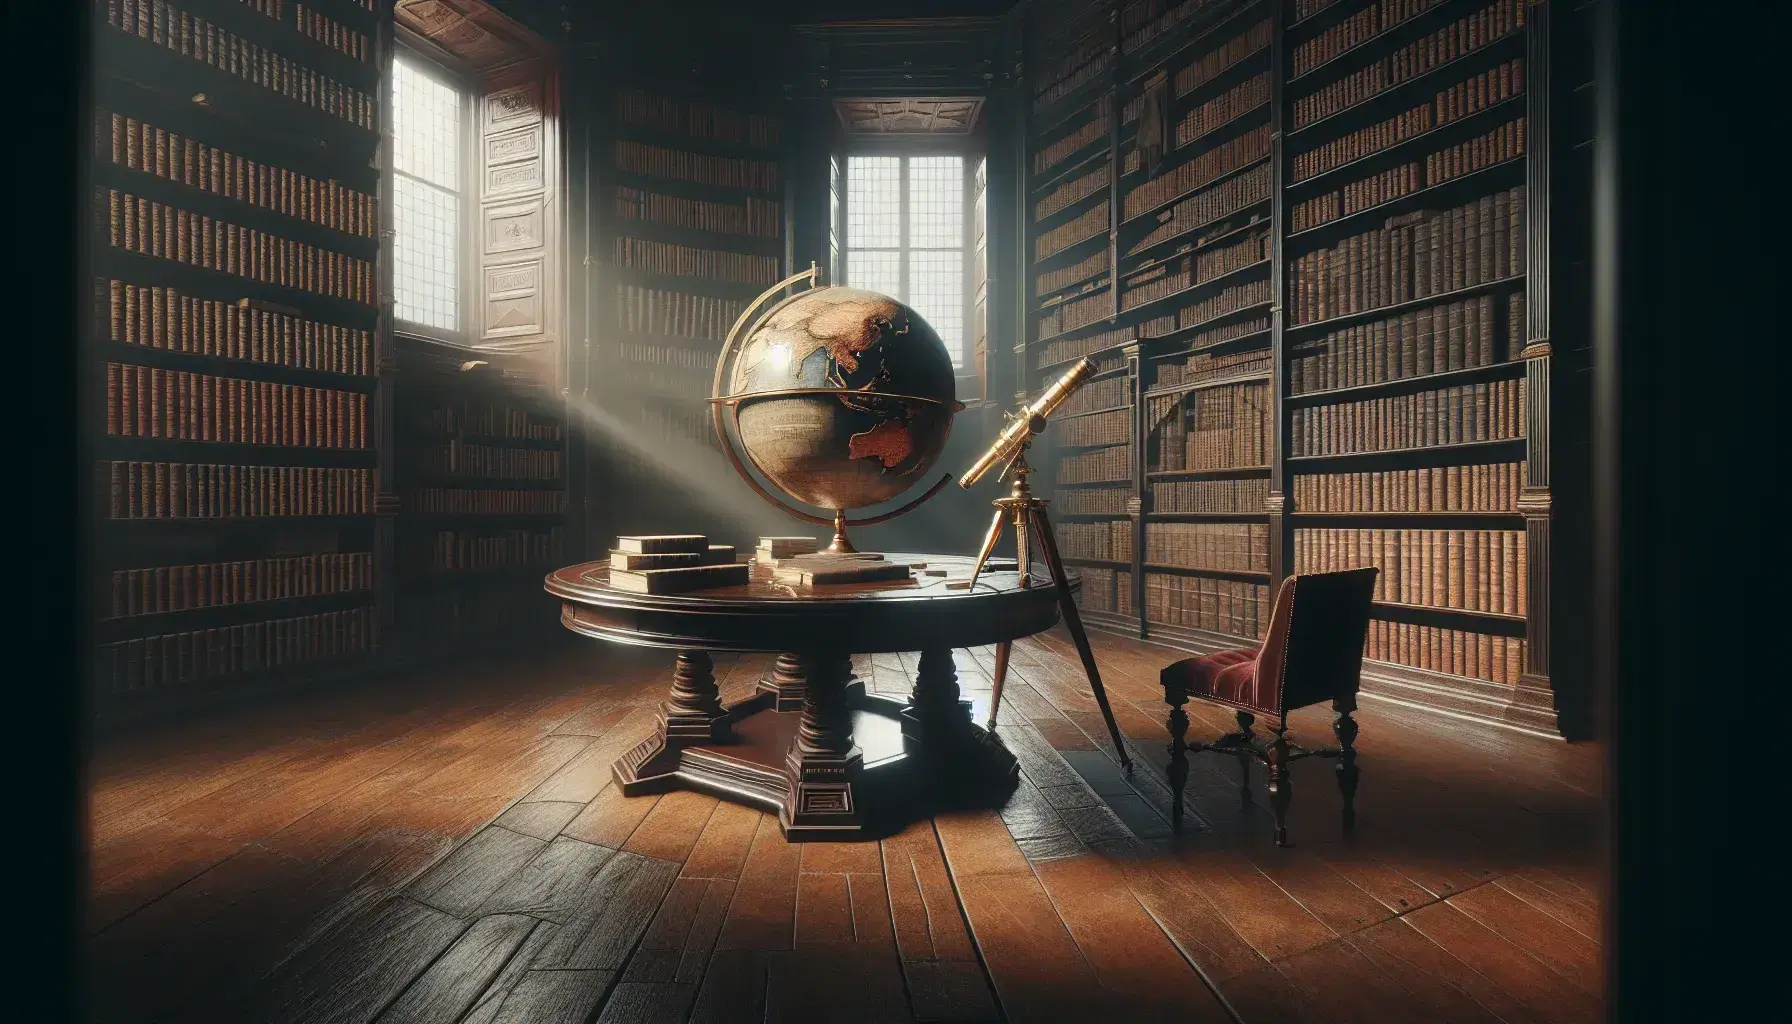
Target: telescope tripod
(1028, 515)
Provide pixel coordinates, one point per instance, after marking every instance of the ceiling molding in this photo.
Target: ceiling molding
(477, 35)
(914, 115)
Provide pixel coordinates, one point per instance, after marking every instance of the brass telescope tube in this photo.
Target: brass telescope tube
(1030, 421)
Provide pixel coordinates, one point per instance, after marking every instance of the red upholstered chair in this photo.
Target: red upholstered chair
(1313, 653)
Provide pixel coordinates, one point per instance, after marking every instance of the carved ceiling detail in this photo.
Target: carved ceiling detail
(472, 31)
(910, 116)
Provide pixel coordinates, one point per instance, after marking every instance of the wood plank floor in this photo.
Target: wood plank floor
(449, 847)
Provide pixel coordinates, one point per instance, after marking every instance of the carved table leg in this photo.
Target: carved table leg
(823, 762)
(689, 717)
(786, 681)
(1245, 737)
(1281, 783)
(1344, 727)
(935, 712)
(1176, 697)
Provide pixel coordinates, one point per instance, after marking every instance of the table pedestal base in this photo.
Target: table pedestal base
(831, 760)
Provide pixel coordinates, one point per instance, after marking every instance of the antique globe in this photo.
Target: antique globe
(842, 398)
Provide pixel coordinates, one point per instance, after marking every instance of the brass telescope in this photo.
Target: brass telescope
(1027, 513)
(1028, 422)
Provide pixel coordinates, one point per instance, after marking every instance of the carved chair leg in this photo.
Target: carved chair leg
(1246, 737)
(1178, 769)
(1344, 728)
(1281, 783)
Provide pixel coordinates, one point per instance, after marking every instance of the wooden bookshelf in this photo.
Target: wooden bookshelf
(1394, 130)
(483, 497)
(234, 369)
(689, 203)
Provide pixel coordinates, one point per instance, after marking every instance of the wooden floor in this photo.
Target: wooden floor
(449, 847)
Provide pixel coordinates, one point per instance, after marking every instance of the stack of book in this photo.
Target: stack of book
(800, 561)
(673, 564)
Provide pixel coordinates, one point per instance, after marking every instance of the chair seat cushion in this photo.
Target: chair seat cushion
(1229, 676)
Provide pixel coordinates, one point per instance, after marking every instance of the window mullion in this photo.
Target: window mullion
(902, 237)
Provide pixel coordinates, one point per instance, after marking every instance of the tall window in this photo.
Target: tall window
(905, 236)
(427, 127)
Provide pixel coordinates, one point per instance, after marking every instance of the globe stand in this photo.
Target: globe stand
(1028, 515)
(841, 545)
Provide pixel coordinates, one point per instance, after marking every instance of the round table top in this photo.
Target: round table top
(764, 615)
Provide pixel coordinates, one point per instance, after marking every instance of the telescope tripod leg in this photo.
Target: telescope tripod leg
(989, 544)
(1000, 676)
(1073, 620)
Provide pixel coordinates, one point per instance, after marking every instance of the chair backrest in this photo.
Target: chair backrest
(1314, 650)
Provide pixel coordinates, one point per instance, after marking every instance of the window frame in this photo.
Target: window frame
(970, 149)
(420, 55)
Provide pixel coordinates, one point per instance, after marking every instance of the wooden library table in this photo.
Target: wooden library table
(831, 759)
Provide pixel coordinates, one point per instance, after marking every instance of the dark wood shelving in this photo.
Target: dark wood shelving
(655, 231)
(1083, 162)
(1226, 76)
(112, 629)
(1389, 99)
(285, 456)
(229, 366)
(1059, 513)
(1186, 247)
(1074, 290)
(1079, 161)
(1329, 323)
(1319, 20)
(1202, 385)
(1077, 205)
(1211, 284)
(1376, 45)
(677, 282)
(1094, 412)
(1172, 51)
(274, 35)
(1465, 125)
(1147, 63)
(1179, 517)
(1182, 332)
(452, 577)
(260, 109)
(1415, 383)
(260, 522)
(626, 132)
(1383, 452)
(1247, 575)
(1233, 122)
(1216, 318)
(1218, 179)
(480, 517)
(1117, 346)
(1067, 105)
(1454, 612)
(1089, 446)
(140, 269)
(687, 189)
(1451, 516)
(249, 138)
(482, 483)
(1476, 182)
(1078, 246)
(1105, 562)
(217, 206)
(1172, 474)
